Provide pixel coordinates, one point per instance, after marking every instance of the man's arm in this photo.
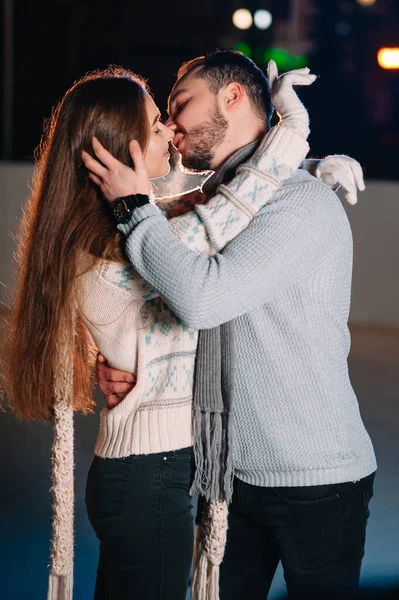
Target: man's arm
(114, 384)
(277, 249)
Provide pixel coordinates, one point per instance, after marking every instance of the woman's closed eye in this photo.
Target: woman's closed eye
(157, 128)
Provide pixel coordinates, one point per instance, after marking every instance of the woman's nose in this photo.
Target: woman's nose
(170, 123)
(169, 133)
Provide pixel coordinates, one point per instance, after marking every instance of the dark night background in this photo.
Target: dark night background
(353, 106)
(353, 110)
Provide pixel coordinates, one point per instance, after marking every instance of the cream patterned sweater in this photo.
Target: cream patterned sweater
(138, 333)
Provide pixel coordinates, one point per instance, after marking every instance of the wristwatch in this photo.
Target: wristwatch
(124, 207)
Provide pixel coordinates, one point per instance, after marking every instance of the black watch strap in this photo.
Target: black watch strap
(124, 207)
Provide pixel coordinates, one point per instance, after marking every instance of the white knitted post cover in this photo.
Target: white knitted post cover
(62, 545)
(61, 574)
(210, 545)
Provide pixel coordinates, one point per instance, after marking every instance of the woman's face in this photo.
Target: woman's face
(157, 154)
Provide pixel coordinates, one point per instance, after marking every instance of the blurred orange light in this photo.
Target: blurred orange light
(388, 58)
(366, 2)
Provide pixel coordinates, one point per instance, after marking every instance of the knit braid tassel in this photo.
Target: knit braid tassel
(60, 585)
(210, 544)
(205, 584)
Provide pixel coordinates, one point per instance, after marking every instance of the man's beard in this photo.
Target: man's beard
(204, 139)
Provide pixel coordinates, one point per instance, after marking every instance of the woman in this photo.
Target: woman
(74, 286)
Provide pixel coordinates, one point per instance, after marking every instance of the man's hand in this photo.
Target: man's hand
(290, 109)
(341, 170)
(115, 385)
(115, 179)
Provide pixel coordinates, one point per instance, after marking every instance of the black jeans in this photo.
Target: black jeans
(142, 513)
(317, 532)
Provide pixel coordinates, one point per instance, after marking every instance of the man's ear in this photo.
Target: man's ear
(233, 95)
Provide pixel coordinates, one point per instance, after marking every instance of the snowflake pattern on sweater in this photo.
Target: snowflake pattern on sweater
(135, 330)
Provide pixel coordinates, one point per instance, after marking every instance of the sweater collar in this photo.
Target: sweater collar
(226, 171)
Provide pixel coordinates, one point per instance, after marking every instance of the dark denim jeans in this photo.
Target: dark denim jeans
(317, 532)
(142, 513)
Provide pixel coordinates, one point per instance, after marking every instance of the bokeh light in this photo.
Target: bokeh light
(242, 18)
(388, 58)
(284, 59)
(244, 49)
(263, 19)
(366, 2)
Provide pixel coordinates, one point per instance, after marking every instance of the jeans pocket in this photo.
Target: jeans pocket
(182, 455)
(177, 468)
(107, 486)
(309, 495)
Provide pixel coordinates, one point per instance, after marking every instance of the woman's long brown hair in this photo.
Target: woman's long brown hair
(66, 219)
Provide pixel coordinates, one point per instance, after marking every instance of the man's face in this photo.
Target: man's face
(198, 123)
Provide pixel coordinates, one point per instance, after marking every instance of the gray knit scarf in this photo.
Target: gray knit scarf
(213, 430)
(213, 388)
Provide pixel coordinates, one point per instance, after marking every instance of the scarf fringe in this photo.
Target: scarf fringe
(205, 585)
(60, 587)
(214, 472)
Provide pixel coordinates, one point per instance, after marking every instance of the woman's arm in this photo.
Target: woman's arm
(210, 226)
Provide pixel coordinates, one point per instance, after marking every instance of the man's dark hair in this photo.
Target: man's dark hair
(225, 66)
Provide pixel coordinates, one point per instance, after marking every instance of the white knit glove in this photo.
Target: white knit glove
(289, 108)
(341, 170)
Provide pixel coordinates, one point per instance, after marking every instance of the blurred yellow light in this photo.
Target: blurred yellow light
(388, 58)
(242, 18)
(366, 2)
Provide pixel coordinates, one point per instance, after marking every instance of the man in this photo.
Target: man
(303, 462)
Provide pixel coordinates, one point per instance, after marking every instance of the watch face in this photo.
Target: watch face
(121, 212)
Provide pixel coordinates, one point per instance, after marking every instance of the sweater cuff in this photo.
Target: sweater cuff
(281, 143)
(138, 215)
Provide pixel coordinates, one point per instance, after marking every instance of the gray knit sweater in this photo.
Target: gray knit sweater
(286, 280)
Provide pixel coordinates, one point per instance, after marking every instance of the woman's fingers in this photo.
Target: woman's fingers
(358, 175)
(346, 180)
(352, 185)
(272, 73)
(296, 78)
(304, 70)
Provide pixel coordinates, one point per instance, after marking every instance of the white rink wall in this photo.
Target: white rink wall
(374, 222)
